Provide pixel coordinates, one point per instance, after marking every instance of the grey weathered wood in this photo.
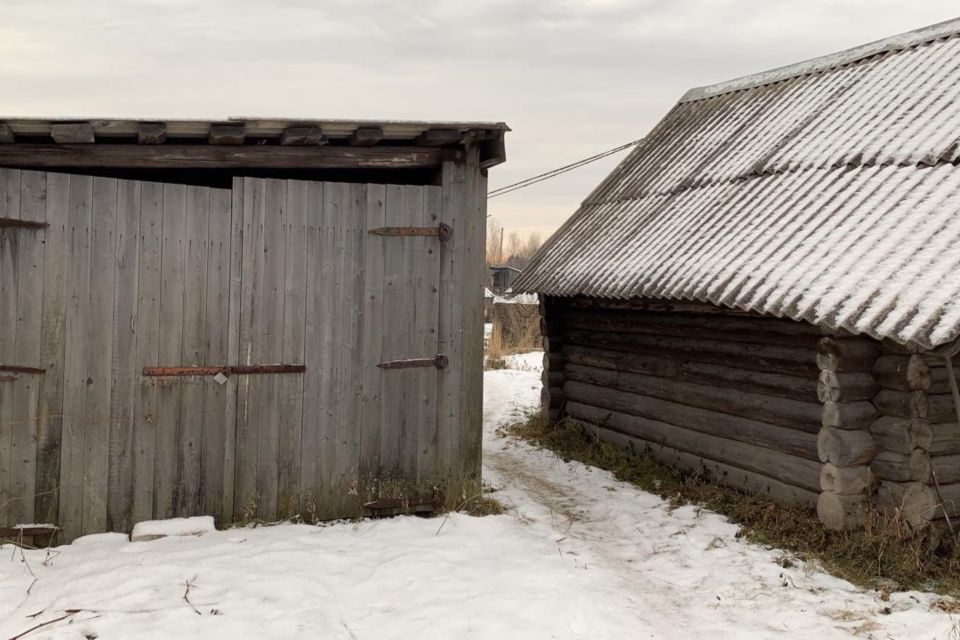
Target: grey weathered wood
(833, 386)
(914, 466)
(231, 419)
(946, 467)
(249, 392)
(317, 307)
(294, 322)
(902, 372)
(148, 349)
(217, 329)
(271, 301)
(856, 480)
(914, 502)
(76, 357)
(439, 137)
(798, 362)
(349, 435)
(901, 435)
(195, 156)
(227, 134)
(848, 415)
(845, 447)
(790, 469)
(169, 392)
(29, 301)
(903, 404)
(366, 136)
(428, 317)
(72, 133)
(302, 136)
(718, 471)
(450, 401)
(792, 441)
(782, 411)
(405, 382)
(802, 388)
(151, 132)
(124, 366)
(52, 346)
(99, 358)
(842, 512)
(6, 134)
(474, 217)
(190, 423)
(10, 392)
(372, 340)
(394, 345)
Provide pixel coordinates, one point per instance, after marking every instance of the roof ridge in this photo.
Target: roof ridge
(891, 44)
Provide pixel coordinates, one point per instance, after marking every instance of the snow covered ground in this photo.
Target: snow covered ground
(580, 555)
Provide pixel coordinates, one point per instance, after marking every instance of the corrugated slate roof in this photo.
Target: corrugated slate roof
(827, 192)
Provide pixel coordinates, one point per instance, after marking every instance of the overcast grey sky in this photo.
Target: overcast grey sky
(571, 78)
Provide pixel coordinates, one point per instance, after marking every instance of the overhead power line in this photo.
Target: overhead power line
(516, 186)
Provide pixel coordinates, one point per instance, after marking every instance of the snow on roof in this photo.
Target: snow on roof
(825, 192)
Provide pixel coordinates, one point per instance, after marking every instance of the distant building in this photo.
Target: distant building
(502, 277)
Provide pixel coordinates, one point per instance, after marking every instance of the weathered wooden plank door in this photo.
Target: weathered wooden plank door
(22, 236)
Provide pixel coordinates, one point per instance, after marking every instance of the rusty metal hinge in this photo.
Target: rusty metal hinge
(21, 224)
(243, 369)
(443, 231)
(439, 361)
(14, 368)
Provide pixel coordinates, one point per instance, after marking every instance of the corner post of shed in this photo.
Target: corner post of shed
(845, 445)
(552, 378)
(460, 383)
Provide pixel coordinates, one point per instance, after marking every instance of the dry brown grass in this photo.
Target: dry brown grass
(882, 555)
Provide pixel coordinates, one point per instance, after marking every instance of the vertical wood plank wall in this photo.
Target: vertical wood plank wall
(131, 274)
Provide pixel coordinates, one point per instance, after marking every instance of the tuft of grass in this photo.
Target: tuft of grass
(881, 555)
(494, 362)
(482, 505)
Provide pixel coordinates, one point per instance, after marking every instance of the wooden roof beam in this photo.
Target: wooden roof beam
(72, 133)
(302, 136)
(6, 134)
(196, 156)
(439, 137)
(366, 136)
(152, 132)
(227, 134)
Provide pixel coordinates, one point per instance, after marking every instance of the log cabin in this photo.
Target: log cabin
(766, 289)
(247, 318)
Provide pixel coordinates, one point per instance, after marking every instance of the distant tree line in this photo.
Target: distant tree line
(508, 247)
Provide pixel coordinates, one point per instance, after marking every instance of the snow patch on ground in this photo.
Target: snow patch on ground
(153, 529)
(532, 361)
(579, 555)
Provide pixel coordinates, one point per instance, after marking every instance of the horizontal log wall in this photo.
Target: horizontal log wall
(944, 439)
(735, 397)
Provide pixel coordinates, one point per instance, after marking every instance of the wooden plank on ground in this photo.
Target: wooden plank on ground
(76, 357)
(56, 270)
(124, 367)
(190, 423)
(172, 265)
(294, 319)
(99, 341)
(148, 349)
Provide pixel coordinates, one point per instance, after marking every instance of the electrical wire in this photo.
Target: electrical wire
(516, 186)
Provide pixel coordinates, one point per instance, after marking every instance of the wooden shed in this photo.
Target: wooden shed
(249, 318)
(766, 289)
